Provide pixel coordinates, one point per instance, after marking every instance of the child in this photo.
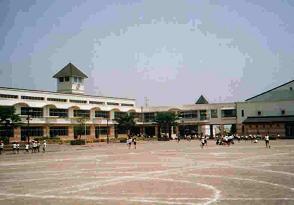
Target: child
(129, 142)
(27, 148)
(17, 147)
(44, 146)
(202, 142)
(14, 147)
(266, 138)
(135, 142)
(1, 147)
(38, 146)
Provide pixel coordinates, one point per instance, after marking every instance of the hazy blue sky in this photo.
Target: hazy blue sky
(170, 51)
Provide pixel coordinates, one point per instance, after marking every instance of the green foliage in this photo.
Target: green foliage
(4, 139)
(233, 129)
(126, 122)
(77, 142)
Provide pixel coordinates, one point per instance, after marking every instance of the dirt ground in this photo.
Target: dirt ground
(154, 173)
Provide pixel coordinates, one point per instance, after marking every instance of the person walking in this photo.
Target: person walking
(202, 142)
(129, 142)
(38, 146)
(1, 146)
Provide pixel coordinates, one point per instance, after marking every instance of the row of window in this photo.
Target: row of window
(38, 131)
(259, 113)
(73, 79)
(26, 97)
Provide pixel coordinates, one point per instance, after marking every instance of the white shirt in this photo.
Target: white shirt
(27, 146)
(266, 137)
(2, 145)
(45, 144)
(14, 146)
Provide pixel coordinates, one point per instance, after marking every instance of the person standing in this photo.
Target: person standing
(202, 142)
(27, 147)
(38, 146)
(17, 147)
(44, 146)
(14, 147)
(1, 146)
(129, 142)
(135, 142)
(266, 138)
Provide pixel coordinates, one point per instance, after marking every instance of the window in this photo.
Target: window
(8, 96)
(112, 103)
(283, 112)
(61, 79)
(127, 105)
(81, 130)
(119, 114)
(34, 112)
(82, 113)
(259, 113)
(75, 79)
(4, 131)
(103, 114)
(56, 99)
(32, 98)
(32, 131)
(100, 131)
(78, 101)
(149, 116)
(291, 88)
(203, 115)
(66, 79)
(229, 113)
(189, 114)
(58, 112)
(58, 131)
(213, 113)
(242, 113)
(96, 102)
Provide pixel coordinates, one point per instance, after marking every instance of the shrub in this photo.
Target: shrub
(5, 139)
(77, 142)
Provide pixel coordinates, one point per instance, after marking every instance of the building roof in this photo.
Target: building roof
(66, 94)
(268, 119)
(70, 70)
(201, 100)
(269, 90)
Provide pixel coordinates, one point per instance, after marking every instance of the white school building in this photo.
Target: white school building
(46, 113)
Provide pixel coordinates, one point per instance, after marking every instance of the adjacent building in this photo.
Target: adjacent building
(61, 113)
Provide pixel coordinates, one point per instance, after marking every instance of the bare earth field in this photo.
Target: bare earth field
(154, 173)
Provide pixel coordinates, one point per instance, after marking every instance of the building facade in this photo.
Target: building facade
(61, 113)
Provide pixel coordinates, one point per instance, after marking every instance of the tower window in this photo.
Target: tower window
(283, 112)
(66, 79)
(259, 113)
(75, 79)
(61, 79)
(242, 113)
(291, 88)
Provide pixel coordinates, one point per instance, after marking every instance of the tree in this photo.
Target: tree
(8, 120)
(81, 127)
(126, 122)
(233, 129)
(166, 120)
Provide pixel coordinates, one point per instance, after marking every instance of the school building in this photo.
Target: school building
(46, 113)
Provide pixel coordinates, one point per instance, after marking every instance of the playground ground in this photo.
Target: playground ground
(154, 173)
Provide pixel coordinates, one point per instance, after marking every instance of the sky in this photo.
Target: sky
(169, 52)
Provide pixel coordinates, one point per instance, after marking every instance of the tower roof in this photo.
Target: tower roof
(201, 100)
(70, 70)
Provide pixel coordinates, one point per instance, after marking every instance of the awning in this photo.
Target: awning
(269, 119)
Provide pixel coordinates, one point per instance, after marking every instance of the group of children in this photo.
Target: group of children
(131, 140)
(34, 146)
